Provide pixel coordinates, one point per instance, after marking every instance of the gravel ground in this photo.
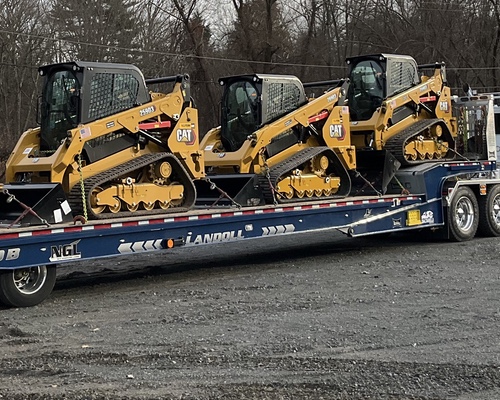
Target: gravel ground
(296, 317)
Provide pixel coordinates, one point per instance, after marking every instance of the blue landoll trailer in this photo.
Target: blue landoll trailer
(458, 198)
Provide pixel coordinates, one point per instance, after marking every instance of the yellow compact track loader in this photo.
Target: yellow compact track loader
(275, 145)
(393, 108)
(106, 147)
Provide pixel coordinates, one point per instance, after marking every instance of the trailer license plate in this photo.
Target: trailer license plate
(413, 218)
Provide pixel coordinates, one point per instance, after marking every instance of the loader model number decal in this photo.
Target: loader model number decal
(65, 252)
(331, 98)
(215, 237)
(10, 254)
(147, 110)
(186, 136)
(337, 131)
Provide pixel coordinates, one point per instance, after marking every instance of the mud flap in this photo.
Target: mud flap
(220, 189)
(34, 204)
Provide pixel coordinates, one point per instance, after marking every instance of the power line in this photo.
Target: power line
(191, 56)
(77, 42)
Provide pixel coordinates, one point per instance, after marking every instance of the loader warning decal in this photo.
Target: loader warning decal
(337, 131)
(85, 132)
(443, 106)
(186, 134)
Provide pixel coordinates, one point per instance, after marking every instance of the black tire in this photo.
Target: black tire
(489, 213)
(26, 287)
(463, 215)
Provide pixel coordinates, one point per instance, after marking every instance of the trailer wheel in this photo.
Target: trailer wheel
(463, 215)
(489, 213)
(25, 287)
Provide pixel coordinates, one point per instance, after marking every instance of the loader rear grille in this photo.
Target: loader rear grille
(403, 76)
(283, 97)
(111, 93)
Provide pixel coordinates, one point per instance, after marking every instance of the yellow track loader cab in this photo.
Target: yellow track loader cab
(276, 145)
(106, 146)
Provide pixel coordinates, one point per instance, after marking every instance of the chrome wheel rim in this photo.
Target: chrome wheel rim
(30, 280)
(464, 215)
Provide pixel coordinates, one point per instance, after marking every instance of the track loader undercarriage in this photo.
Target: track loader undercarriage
(424, 141)
(149, 184)
(315, 172)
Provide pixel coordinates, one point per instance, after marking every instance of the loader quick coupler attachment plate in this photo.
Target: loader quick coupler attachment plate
(33, 204)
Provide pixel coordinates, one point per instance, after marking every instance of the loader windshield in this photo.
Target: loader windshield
(240, 115)
(366, 91)
(60, 109)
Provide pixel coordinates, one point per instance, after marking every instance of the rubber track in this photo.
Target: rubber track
(75, 195)
(396, 144)
(277, 171)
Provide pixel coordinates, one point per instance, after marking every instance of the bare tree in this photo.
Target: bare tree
(22, 48)
(495, 4)
(159, 37)
(197, 45)
(95, 30)
(259, 33)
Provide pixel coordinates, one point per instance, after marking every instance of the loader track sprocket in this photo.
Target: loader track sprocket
(304, 156)
(93, 183)
(396, 144)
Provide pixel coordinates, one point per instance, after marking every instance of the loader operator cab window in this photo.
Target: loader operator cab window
(60, 109)
(240, 116)
(366, 91)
